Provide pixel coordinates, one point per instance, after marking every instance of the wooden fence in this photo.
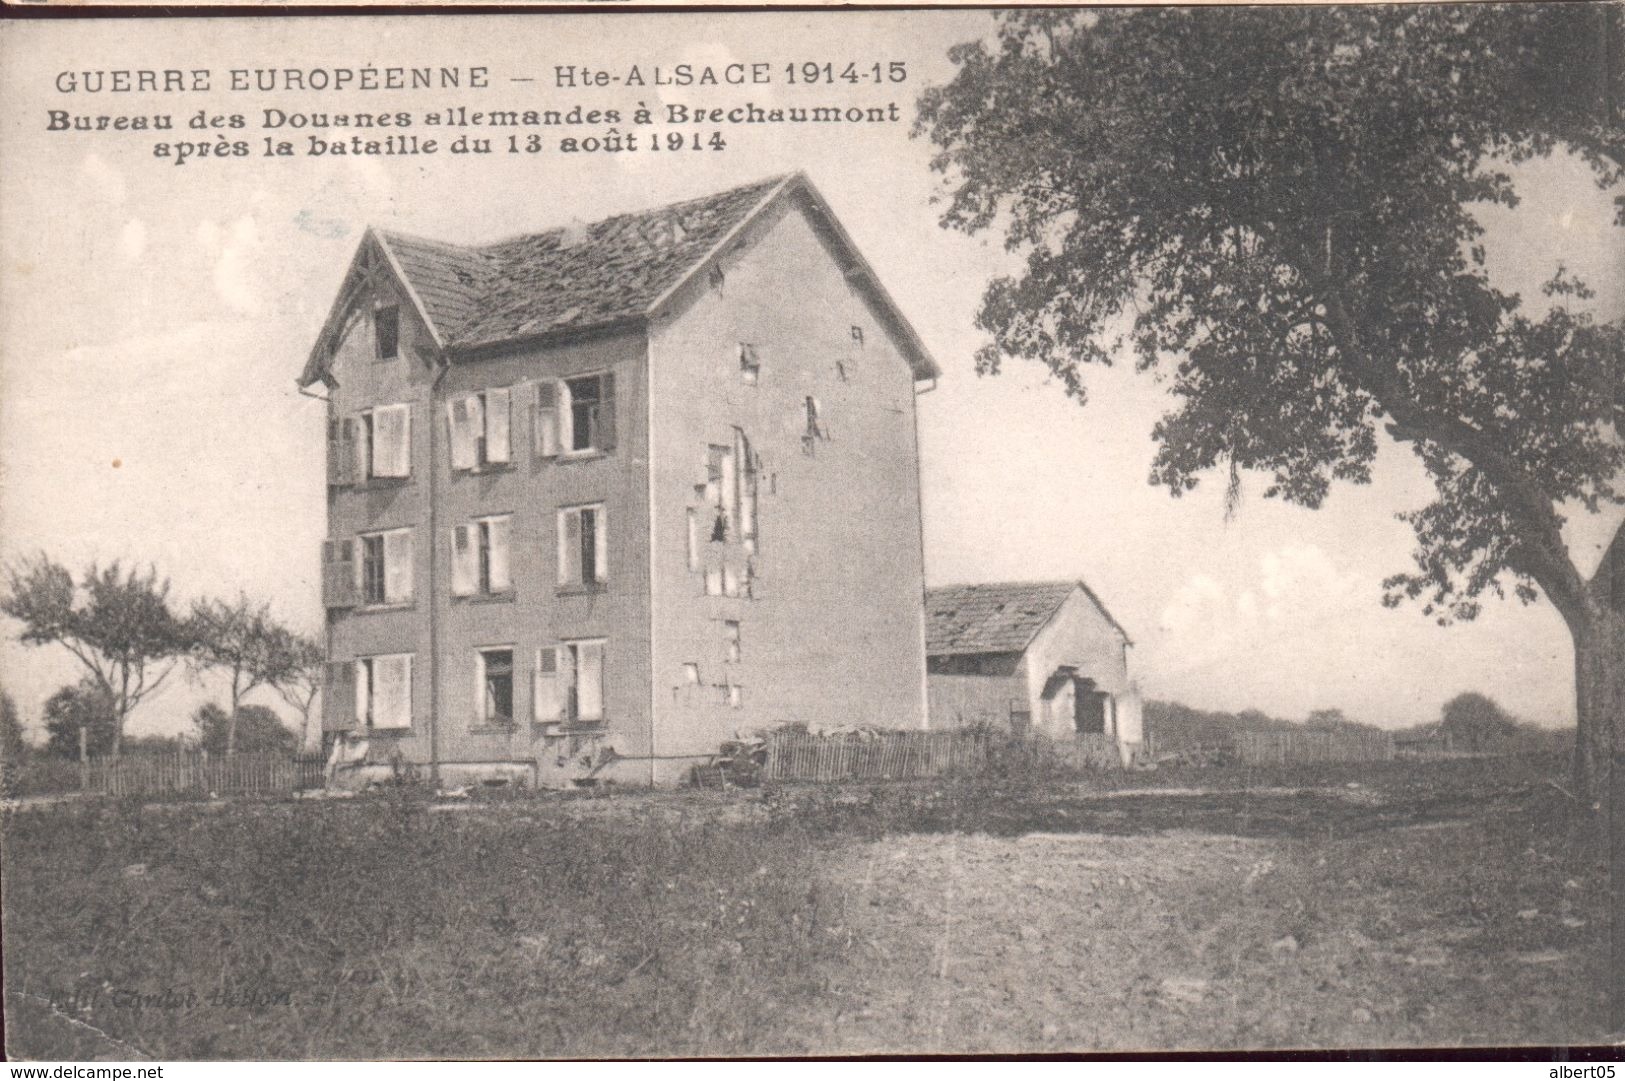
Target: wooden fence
(1284, 748)
(873, 756)
(199, 773)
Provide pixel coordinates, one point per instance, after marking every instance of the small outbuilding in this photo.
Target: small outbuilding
(1042, 657)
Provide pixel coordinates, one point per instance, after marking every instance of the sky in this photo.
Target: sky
(153, 318)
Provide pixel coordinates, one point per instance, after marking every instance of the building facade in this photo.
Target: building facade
(1039, 657)
(602, 497)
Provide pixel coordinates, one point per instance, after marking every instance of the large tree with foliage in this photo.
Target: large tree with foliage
(244, 642)
(117, 624)
(85, 706)
(1274, 208)
(254, 730)
(1476, 722)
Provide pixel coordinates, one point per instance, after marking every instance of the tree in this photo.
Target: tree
(116, 624)
(87, 705)
(1274, 207)
(14, 749)
(1474, 722)
(301, 682)
(242, 640)
(254, 730)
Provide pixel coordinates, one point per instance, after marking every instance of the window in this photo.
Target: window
(385, 573)
(570, 683)
(376, 442)
(383, 691)
(387, 433)
(479, 557)
(574, 416)
(691, 673)
(750, 365)
(730, 639)
(493, 686)
(857, 334)
(386, 322)
(480, 429)
(583, 546)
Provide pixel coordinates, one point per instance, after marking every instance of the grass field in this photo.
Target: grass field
(1383, 905)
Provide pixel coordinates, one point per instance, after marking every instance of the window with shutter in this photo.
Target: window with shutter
(398, 566)
(392, 691)
(566, 414)
(391, 438)
(465, 561)
(583, 546)
(495, 543)
(545, 422)
(581, 670)
(460, 425)
(338, 574)
(547, 699)
(338, 697)
(497, 417)
(605, 428)
(585, 398)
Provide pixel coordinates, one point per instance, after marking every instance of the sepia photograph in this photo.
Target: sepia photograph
(760, 534)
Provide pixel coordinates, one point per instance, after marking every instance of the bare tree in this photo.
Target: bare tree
(245, 642)
(301, 681)
(116, 624)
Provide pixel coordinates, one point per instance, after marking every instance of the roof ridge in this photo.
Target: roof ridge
(514, 238)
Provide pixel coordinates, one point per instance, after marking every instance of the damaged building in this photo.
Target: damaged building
(600, 498)
(1031, 657)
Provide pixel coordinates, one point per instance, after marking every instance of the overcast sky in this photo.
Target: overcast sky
(154, 318)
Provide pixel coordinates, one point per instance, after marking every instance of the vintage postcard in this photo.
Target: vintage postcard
(812, 533)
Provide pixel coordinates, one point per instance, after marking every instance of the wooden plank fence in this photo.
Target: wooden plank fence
(199, 773)
(1286, 748)
(873, 756)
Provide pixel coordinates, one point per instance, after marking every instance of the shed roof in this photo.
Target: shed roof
(589, 276)
(996, 617)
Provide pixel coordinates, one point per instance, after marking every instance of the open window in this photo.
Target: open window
(386, 567)
(387, 434)
(383, 691)
(480, 554)
(575, 416)
(480, 429)
(571, 686)
(583, 547)
(386, 323)
(493, 687)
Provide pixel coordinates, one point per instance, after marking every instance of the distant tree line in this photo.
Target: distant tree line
(1468, 722)
(120, 626)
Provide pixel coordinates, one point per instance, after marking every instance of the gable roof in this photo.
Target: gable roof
(583, 278)
(997, 617)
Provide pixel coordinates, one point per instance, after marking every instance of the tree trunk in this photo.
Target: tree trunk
(1599, 692)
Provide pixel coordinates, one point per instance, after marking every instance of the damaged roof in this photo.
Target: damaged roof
(589, 276)
(996, 617)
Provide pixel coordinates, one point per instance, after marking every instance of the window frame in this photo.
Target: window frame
(364, 672)
(364, 595)
(572, 576)
(485, 716)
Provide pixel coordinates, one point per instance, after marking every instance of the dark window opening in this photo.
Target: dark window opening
(585, 395)
(388, 324)
(498, 666)
(484, 532)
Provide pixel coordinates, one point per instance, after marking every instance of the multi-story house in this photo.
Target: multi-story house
(600, 498)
